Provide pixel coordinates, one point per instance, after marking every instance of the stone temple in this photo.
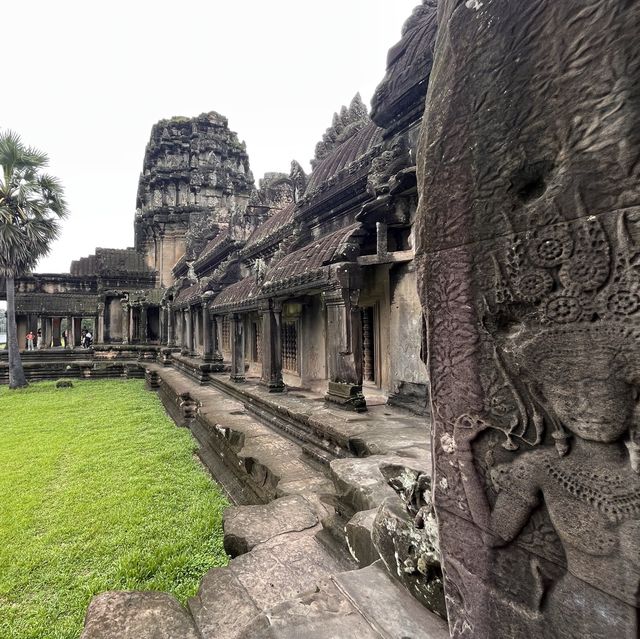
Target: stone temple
(415, 371)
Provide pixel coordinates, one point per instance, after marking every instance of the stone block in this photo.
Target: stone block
(137, 615)
(247, 526)
(358, 532)
(388, 607)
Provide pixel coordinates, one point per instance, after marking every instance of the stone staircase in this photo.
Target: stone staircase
(285, 584)
(313, 492)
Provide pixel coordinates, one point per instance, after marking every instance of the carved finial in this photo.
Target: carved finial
(298, 180)
(358, 109)
(344, 125)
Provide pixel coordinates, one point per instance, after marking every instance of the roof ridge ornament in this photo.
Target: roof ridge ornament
(350, 121)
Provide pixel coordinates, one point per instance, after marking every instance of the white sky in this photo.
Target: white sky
(90, 79)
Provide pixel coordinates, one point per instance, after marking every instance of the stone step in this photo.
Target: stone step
(223, 607)
(195, 368)
(359, 484)
(253, 463)
(299, 431)
(273, 572)
(288, 414)
(246, 527)
(138, 615)
(39, 371)
(322, 613)
(388, 608)
(50, 354)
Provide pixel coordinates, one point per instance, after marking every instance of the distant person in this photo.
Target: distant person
(64, 339)
(88, 340)
(39, 339)
(30, 338)
(83, 338)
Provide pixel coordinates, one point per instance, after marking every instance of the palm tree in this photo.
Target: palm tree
(31, 206)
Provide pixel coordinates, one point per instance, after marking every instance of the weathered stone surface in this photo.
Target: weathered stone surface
(247, 526)
(283, 568)
(358, 533)
(410, 553)
(405, 535)
(383, 442)
(223, 607)
(398, 100)
(359, 483)
(528, 242)
(388, 607)
(323, 613)
(137, 615)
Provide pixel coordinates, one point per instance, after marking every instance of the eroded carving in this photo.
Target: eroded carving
(527, 237)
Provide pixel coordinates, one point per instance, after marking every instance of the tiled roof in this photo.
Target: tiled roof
(242, 294)
(213, 246)
(307, 265)
(271, 226)
(110, 262)
(187, 295)
(348, 152)
(180, 265)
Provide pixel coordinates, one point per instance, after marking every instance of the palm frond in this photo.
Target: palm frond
(31, 206)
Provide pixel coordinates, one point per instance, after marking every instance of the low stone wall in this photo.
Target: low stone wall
(102, 362)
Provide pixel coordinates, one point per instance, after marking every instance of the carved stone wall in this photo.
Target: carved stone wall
(195, 173)
(528, 236)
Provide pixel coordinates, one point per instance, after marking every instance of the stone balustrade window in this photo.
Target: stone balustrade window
(290, 346)
(226, 334)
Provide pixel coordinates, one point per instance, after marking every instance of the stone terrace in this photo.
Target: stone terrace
(306, 536)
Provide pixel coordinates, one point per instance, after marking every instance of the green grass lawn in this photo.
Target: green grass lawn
(99, 490)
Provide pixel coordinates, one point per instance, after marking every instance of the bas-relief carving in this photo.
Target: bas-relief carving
(534, 340)
(549, 459)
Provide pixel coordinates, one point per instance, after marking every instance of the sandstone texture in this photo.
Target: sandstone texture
(528, 235)
(137, 615)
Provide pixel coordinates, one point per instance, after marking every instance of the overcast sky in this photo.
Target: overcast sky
(88, 80)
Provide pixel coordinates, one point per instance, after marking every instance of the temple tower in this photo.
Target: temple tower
(196, 172)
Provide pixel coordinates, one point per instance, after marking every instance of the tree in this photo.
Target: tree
(31, 207)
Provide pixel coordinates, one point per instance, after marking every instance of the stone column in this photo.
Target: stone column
(50, 332)
(344, 340)
(133, 325)
(162, 318)
(215, 344)
(237, 348)
(143, 328)
(46, 332)
(207, 340)
(100, 324)
(218, 330)
(272, 346)
(177, 318)
(69, 330)
(188, 349)
(196, 315)
(382, 241)
(125, 321)
(170, 327)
